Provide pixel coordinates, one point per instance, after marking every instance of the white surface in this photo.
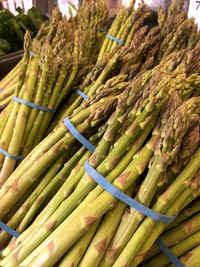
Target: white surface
(64, 4)
(194, 10)
(10, 5)
(153, 4)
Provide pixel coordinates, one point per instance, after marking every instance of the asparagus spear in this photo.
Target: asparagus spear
(177, 234)
(186, 213)
(178, 250)
(190, 259)
(102, 237)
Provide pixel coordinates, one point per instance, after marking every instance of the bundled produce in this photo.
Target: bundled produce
(13, 28)
(90, 36)
(180, 239)
(49, 76)
(119, 169)
(148, 49)
(133, 134)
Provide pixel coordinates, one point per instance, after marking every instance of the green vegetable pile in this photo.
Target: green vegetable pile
(13, 28)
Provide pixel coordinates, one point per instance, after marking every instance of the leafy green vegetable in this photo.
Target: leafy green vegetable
(13, 28)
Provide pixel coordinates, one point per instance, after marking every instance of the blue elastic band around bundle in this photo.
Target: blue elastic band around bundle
(32, 105)
(125, 198)
(168, 253)
(7, 154)
(8, 230)
(115, 39)
(83, 95)
(78, 136)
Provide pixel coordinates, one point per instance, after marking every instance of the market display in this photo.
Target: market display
(100, 145)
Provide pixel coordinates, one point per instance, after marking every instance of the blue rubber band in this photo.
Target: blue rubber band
(83, 95)
(32, 105)
(125, 198)
(115, 39)
(168, 253)
(78, 136)
(7, 154)
(9, 230)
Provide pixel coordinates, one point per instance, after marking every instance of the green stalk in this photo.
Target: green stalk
(177, 234)
(103, 236)
(192, 209)
(9, 77)
(190, 259)
(4, 117)
(178, 250)
(166, 200)
(74, 255)
(5, 94)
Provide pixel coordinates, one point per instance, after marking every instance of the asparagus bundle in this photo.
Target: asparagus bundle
(127, 22)
(147, 146)
(9, 82)
(145, 45)
(90, 209)
(132, 219)
(49, 78)
(55, 214)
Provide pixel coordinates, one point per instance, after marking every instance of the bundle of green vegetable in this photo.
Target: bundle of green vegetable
(142, 119)
(13, 28)
(61, 59)
(148, 49)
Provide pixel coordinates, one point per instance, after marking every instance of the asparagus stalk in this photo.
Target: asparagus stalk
(74, 255)
(166, 200)
(102, 238)
(190, 259)
(192, 209)
(179, 249)
(177, 234)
